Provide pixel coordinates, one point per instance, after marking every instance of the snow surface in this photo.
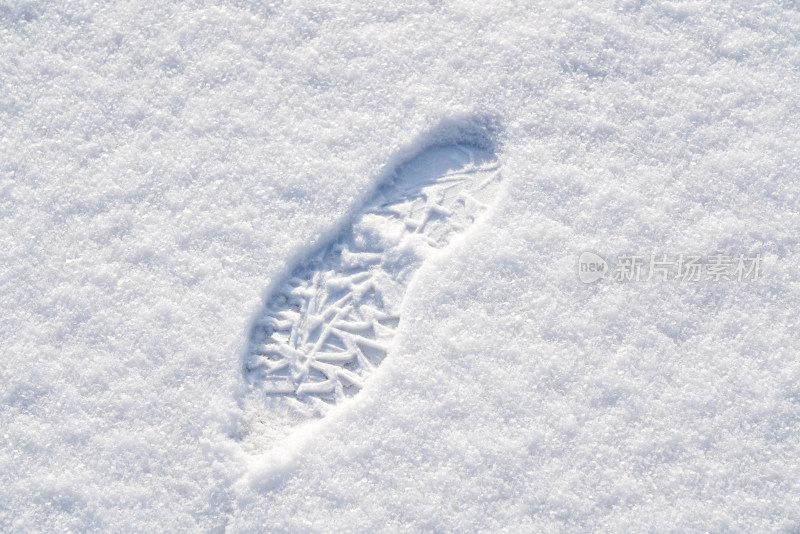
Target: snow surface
(162, 165)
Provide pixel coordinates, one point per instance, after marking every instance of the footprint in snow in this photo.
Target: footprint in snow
(324, 330)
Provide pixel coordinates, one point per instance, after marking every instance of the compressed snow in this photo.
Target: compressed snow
(162, 165)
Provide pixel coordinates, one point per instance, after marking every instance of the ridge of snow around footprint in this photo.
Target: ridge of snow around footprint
(329, 324)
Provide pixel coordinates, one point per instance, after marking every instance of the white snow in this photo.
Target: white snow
(162, 166)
